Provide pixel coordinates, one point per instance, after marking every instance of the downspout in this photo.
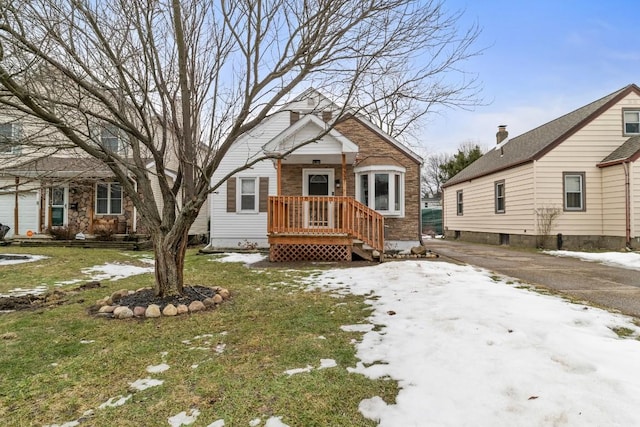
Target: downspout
(420, 240)
(15, 209)
(627, 203)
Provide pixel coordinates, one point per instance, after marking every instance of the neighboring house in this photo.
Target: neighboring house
(66, 188)
(573, 182)
(353, 183)
(431, 201)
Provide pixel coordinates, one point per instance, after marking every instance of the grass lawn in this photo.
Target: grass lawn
(57, 362)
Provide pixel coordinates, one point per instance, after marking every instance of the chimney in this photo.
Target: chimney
(502, 133)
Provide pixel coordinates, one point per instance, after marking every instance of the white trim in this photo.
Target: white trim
(278, 144)
(381, 168)
(318, 171)
(256, 195)
(64, 206)
(391, 171)
(95, 199)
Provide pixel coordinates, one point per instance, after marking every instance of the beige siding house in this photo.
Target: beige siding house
(573, 182)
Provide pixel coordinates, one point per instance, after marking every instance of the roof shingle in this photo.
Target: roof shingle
(535, 143)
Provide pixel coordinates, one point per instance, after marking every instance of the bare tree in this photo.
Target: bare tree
(182, 80)
(432, 173)
(546, 217)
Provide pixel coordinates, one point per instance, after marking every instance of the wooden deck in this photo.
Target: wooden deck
(320, 227)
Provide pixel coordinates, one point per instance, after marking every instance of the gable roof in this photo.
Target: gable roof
(629, 151)
(284, 141)
(535, 143)
(367, 123)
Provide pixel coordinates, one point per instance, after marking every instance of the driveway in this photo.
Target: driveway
(611, 287)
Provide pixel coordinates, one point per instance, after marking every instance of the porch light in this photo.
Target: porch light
(315, 161)
(338, 183)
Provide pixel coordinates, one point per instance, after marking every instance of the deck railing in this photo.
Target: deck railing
(324, 215)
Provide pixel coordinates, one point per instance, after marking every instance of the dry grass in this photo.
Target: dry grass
(270, 325)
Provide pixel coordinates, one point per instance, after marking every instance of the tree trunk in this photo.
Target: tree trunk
(170, 251)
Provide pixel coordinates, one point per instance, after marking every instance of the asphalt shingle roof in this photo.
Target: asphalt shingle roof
(627, 150)
(536, 142)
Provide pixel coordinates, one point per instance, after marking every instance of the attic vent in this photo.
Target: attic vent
(311, 102)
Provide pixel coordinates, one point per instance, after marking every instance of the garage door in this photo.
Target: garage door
(27, 208)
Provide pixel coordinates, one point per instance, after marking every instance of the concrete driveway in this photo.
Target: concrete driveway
(611, 287)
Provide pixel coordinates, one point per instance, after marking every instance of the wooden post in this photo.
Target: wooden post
(279, 178)
(344, 175)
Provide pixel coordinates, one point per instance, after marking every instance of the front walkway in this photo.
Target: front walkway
(610, 287)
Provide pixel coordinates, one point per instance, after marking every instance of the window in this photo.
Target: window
(631, 122)
(10, 134)
(499, 196)
(381, 188)
(459, 202)
(111, 138)
(574, 191)
(247, 195)
(109, 199)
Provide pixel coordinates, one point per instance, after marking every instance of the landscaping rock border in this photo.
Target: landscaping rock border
(142, 303)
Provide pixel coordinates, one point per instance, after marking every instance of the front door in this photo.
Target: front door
(318, 211)
(58, 206)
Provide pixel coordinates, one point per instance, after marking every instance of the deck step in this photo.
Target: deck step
(366, 253)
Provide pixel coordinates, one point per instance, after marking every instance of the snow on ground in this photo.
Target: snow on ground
(115, 401)
(145, 383)
(467, 350)
(156, 369)
(114, 271)
(239, 257)
(182, 419)
(20, 258)
(630, 260)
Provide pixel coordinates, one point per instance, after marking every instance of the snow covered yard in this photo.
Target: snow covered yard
(471, 350)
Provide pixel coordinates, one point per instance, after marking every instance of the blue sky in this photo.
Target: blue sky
(543, 59)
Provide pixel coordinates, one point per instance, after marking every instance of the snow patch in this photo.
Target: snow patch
(629, 260)
(156, 369)
(115, 402)
(238, 257)
(145, 383)
(275, 422)
(184, 419)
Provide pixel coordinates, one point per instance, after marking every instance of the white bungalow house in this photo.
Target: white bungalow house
(353, 184)
(573, 182)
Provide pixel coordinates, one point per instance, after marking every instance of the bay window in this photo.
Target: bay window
(381, 188)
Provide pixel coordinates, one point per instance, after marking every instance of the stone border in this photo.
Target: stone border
(108, 307)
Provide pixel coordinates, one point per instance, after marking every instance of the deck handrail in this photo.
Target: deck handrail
(325, 215)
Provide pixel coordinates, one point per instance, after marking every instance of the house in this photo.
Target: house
(47, 185)
(573, 182)
(330, 187)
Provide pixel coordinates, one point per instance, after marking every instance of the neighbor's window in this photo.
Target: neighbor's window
(109, 199)
(385, 184)
(10, 134)
(110, 139)
(459, 202)
(499, 196)
(631, 122)
(247, 197)
(574, 191)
